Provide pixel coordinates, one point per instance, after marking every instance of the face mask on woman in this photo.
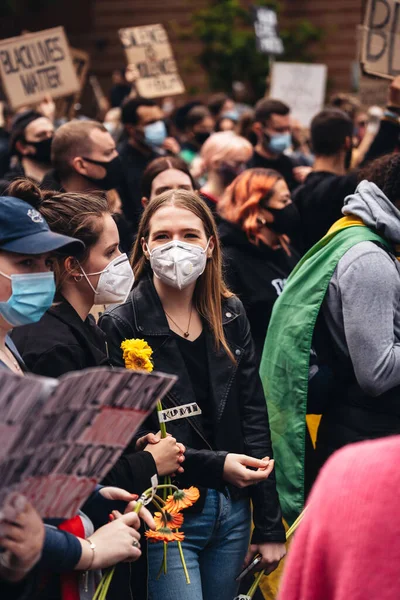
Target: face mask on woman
(115, 281)
(229, 172)
(32, 295)
(286, 220)
(178, 264)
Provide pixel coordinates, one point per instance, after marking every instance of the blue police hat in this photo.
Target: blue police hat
(24, 230)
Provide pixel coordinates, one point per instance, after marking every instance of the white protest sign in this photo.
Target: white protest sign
(380, 48)
(265, 26)
(301, 86)
(36, 65)
(179, 412)
(62, 437)
(149, 50)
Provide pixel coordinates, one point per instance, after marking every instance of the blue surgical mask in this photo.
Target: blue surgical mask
(279, 143)
(31, 295)
(155, 134)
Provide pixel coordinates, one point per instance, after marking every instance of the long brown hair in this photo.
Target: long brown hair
(75, 215)
(210, 288)
(241, 201)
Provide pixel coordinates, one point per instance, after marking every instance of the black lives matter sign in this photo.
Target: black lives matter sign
(380, 54)
(265, 27)
(36, 65)
(149, 50)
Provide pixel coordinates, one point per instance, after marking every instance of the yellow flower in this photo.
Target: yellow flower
(137, 355)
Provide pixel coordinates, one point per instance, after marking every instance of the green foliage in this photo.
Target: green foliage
(229, 52)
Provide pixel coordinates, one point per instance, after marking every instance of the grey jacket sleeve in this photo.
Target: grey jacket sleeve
(369, 286)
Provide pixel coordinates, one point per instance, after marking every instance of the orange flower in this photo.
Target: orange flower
(181, 499)
(165, 534)
(165, 519)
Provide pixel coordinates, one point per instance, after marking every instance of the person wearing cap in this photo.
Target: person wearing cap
(30, 145)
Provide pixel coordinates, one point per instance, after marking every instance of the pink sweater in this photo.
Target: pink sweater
(348, 545)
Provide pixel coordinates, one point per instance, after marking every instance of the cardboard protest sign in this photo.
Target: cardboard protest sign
(149, 49)
(265, 26)
(35, 65)
(300, 86)
(380, 51)
(61, 437)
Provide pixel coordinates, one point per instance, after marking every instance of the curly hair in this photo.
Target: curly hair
(385, 173)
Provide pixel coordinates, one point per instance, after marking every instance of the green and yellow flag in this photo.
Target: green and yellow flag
(285, 363)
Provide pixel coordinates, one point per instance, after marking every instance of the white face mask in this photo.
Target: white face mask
(115, 281)
(178, 264)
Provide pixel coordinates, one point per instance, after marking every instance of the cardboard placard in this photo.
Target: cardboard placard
(265, 26)
(149, 49)
(380, 48)
(81, 62)
(36, 65)
(61, 437)
(301, 86)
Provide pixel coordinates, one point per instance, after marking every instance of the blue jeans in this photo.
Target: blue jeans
(215, 545)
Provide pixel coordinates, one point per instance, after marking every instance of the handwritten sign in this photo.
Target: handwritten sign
(60, 438)
(265, 26)
(380, 50)
(300, 86)
(149, 50)
(35, 65)
(179, 412)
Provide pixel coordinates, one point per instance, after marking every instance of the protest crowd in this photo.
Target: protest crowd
(252, 261)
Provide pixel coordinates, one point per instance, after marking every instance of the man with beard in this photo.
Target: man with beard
(30, 143)
(272, 128)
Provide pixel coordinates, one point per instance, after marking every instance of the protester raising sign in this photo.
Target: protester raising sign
(265, 25)
(36, 65)
(149, 50)
(380, 53)
(301, 86)
(60, 437)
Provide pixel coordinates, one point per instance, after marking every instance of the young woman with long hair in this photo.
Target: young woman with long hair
(198, 331)
(258, 220)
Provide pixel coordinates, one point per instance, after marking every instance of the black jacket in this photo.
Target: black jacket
(241, 419)
(320, 201)
(256, 274)
(282, 163)
(61, 342)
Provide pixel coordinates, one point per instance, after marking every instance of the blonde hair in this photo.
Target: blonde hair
(210, 288)
(223, 146)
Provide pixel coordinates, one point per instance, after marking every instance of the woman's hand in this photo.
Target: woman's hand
(115, 542)
(237, 473)
(22, 535)
(167, 453)
(272, 554)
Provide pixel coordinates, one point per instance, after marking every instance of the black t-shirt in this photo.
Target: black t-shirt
(283, 164)
(320, 202)
(194, 355)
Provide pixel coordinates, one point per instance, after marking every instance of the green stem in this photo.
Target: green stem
(183, 562)
(157, 505)
(165, 557)
(163, 427)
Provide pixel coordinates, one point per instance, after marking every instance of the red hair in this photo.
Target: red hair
(241, 201)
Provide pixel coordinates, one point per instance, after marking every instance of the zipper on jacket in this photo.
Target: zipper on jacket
(169, 395)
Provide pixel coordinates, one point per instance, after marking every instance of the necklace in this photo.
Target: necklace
(185, 333)
(12, 360)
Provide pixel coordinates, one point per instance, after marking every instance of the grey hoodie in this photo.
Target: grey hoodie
(362, 305)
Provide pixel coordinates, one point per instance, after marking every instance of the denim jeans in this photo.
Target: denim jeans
(215, 545)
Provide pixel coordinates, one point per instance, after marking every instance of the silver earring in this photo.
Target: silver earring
(78, 278)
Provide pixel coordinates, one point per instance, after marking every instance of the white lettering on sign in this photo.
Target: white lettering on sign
(179, 412)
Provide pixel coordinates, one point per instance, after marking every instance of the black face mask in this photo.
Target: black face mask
(286, 220)
(113, 176)
(43, 150)
(201, 136)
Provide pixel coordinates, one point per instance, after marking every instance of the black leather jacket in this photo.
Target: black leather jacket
(241, 419)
